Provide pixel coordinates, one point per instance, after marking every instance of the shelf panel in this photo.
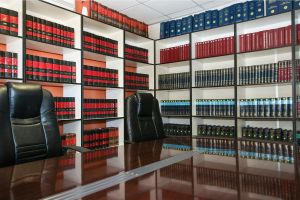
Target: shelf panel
(134, 90)
(99, 57)
(51, 48)
(107, 118)
(215, 87)
(67, 120)
(216, 117)
(133, 63)
(213, 137)
(99, 26)
(134, 38)
(265, 52)
(175, 39)
(265, 85)
(4, 80)
(101, 88)
(173, 90)
(53, 83)
(212, 165)
(175, 116)
(214, 59)
(175, 64)
(220, 30)
(263, 140)
(6, 39)
(266, 118)
(50, 10)
(268, 173)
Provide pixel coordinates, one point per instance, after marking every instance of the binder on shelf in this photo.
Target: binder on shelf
(178, 26)
(215, 18)
(184, 25)
(226, 15)
(196, 23)
(208, 19)
(162, 30)
(272, 7)
(239, 12)
(201, 21)
(251, 9)
(167, 29)
(246, 11)
(190, 25)
(285, 6)
(172, 28)
(259, 8)
(221, 17)
(232, 14)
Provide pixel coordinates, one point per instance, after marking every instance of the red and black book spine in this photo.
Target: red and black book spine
(61, 71)
(90, 75)
(13, 20)
(68, 107)
(62, 36)
(42, 69)
(28, 67)
(34, 28)
(49, 67)
(65, 71)
(4, 21)
(35, 66)
(68, 36)
(59, 107)
(69, 65)
(38, 29)
(116, 48)
(116, 78)
(73, 72)
(43, 23)
(58, 33)
(28, 25)
(14, 65)
(73, 107)
(7, 64)
(65, 36)
(2, 67)
(49, 32)
(95, 76)
(54, 33)
(85, 75)
(72, 31)
(56, 70)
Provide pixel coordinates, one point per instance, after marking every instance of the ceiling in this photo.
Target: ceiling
(155, 11)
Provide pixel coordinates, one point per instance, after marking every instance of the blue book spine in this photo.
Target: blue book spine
(271, 7)
(245, 11)
(184, 25)
(251, 10)
(178, 26)
(232, 14)
(162, 30)
(296, 4)
(215, 18)
(239, 12)
(167, 29)
(260, 8)
(201, 21)
(196, 23)
(208, 19)
(226, 15)
(285, 6)
(221, 17)
(190, 25)
(172, 28)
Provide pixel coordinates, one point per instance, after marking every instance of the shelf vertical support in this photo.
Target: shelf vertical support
(81, 78)
(24, 41)
(154, 68)
(191, 102)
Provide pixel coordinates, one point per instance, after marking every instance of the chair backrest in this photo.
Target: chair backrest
(143, 118)
(29, 129)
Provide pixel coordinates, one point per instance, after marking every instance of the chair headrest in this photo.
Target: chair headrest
(24, 99)
(145, 104)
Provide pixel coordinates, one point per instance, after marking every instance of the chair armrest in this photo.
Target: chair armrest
(76, 148)
(128, 142)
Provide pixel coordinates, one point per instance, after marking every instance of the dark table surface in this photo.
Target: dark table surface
(205, 176)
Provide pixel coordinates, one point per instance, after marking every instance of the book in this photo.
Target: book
(162, 30)
(190, 24)
(232, 14)
(178, 27)
(259, 8)
(272, 7)
(13, 22)
(172, 28)
(221, 17)
(296, 4)
(226, 15)
(167, 29)
(252, 9)
(196, 23)
(284, 6)
(215, 18)
(208, 21)
(239, 12)
(201, 21)
(246, 11)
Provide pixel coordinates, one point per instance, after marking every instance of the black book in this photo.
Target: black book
(278, 108)
(272, 134)
(266, 133)
(59, 34)
(28, 24)
(39, 29)
(73, 64)
(260, 108)
(56, 70)
(289, 107)
(34, 28)
(28, 66)
(49, 69)
(42, 69)
(35, 66)
(266, 107)
(284, 107)
(43, 23)
(13, 29)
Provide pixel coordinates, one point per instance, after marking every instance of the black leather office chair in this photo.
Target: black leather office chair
(29, 129)
(143, 118)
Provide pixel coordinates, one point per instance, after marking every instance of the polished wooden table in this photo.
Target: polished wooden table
(205, 176)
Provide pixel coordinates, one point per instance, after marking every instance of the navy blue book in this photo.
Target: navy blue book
(271, 7)
(232, 14)
(190, 25)
(251, 10)
(184, 25)
(196, 23)
(245, 11)
(201, 21)
(167, 29)
(296, 4)
(208, 19)
(215, 18)
(221, 17)
(162, 30)
(239, 12)
(178, 26)
(172, 28)
(226, 15)
(260, 8)
(285, 6)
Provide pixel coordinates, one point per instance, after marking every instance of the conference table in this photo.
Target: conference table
(171, 168)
